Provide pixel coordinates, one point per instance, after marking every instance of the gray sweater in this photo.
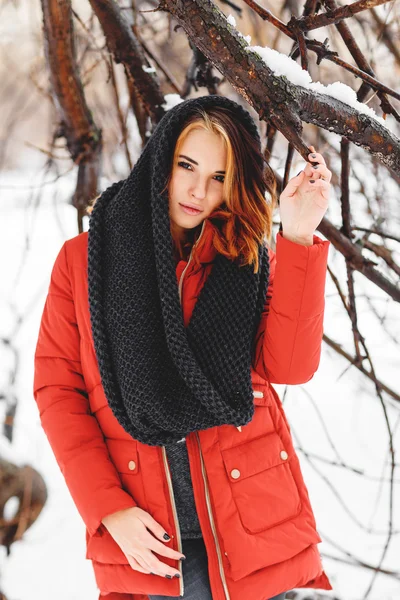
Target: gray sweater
(178, 461)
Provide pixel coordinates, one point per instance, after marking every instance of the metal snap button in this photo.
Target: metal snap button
(235, 473)
(284, 455)
(132, 465)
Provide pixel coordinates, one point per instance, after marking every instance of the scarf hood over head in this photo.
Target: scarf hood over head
(163, 380)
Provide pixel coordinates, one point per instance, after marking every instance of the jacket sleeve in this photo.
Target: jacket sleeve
(288, 341)
(60, 393)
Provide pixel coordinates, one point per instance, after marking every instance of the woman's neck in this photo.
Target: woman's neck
(183, 240)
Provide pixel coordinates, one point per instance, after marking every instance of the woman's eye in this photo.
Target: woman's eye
(185, 165)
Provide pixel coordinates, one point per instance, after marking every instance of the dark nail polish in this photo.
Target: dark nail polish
(166, 536)
(182, 558)
(168, 576)
(151, 573)
(315, 166)
(314, 155)
(177, 575)
(312, 180)
(299, 173)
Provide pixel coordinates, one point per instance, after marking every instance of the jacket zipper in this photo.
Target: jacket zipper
(164, 453)
(212, 522)
(210, 515)
(172, 497)
(188, 263)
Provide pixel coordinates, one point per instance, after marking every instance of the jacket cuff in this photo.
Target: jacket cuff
(300, 277)
(105, 503)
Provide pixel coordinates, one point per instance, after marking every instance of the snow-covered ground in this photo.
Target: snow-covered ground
(335, 416)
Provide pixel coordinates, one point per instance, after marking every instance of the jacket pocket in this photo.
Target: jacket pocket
(262, 483)
(124, 455)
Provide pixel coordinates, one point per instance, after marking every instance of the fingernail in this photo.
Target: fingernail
(299, 173)
(312, 180)
(314, 155)
(315, 166)
(182, 558)
(151, 573)
(177, 575)
(168, 576)
(166, 536)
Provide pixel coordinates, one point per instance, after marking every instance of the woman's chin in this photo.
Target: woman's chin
(188, 221)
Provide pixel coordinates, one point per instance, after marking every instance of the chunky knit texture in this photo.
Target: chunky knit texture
(163, 380)
(178, 461)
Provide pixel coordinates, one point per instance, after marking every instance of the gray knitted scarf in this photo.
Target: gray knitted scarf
(163, 380)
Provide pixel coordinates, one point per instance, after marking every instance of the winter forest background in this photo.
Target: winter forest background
(82, 86)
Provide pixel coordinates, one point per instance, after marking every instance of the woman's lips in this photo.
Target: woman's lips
(189, 210)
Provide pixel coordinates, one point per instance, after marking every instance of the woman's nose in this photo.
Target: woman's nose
(199, 189)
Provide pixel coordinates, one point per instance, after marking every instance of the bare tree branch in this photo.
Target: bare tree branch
(284, 103)
(127, 50)
(82, 135)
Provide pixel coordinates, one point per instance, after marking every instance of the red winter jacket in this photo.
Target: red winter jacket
(254, 510)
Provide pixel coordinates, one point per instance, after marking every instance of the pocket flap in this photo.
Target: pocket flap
(253, 457)
(124, 455)
(262, 395)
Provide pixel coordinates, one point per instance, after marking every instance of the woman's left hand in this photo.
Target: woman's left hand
(304, 201)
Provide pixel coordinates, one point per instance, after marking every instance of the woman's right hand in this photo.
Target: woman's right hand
(129, 528)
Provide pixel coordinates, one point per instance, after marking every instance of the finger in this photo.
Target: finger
(320, 183)
(136, 566)
(155, 528)
(324, 172)
(311, 172)
(153, 544)
(293, 184)
(316, 157)
(324, 185)
(157, 566)
(151, 534)
(320, 172)
(141, 560)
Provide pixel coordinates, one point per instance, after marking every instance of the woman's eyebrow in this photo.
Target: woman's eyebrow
(195, 163)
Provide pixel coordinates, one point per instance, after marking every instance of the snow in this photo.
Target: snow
(284, 66)
(49, 562)
(171, 100)
(232, 21)
(336, 415)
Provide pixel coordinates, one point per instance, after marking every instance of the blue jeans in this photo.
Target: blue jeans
(195, 574)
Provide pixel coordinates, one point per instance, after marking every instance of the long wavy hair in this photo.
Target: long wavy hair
(244, 219)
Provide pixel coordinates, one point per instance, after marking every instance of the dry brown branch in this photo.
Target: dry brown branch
(338, 348)
(387, 36)
(25, 484)
(359, 262)
(358, 56)
(334, 16)
(121, 119)
(77, 125)
(337, 495)
(127, 50)
(320, 49)
(285, 104)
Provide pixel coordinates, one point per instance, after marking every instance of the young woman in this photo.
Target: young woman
(164, 327)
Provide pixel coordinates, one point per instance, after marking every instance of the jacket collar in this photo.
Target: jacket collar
(207, 252)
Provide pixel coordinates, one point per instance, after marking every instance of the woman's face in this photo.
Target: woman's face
(196, 184)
